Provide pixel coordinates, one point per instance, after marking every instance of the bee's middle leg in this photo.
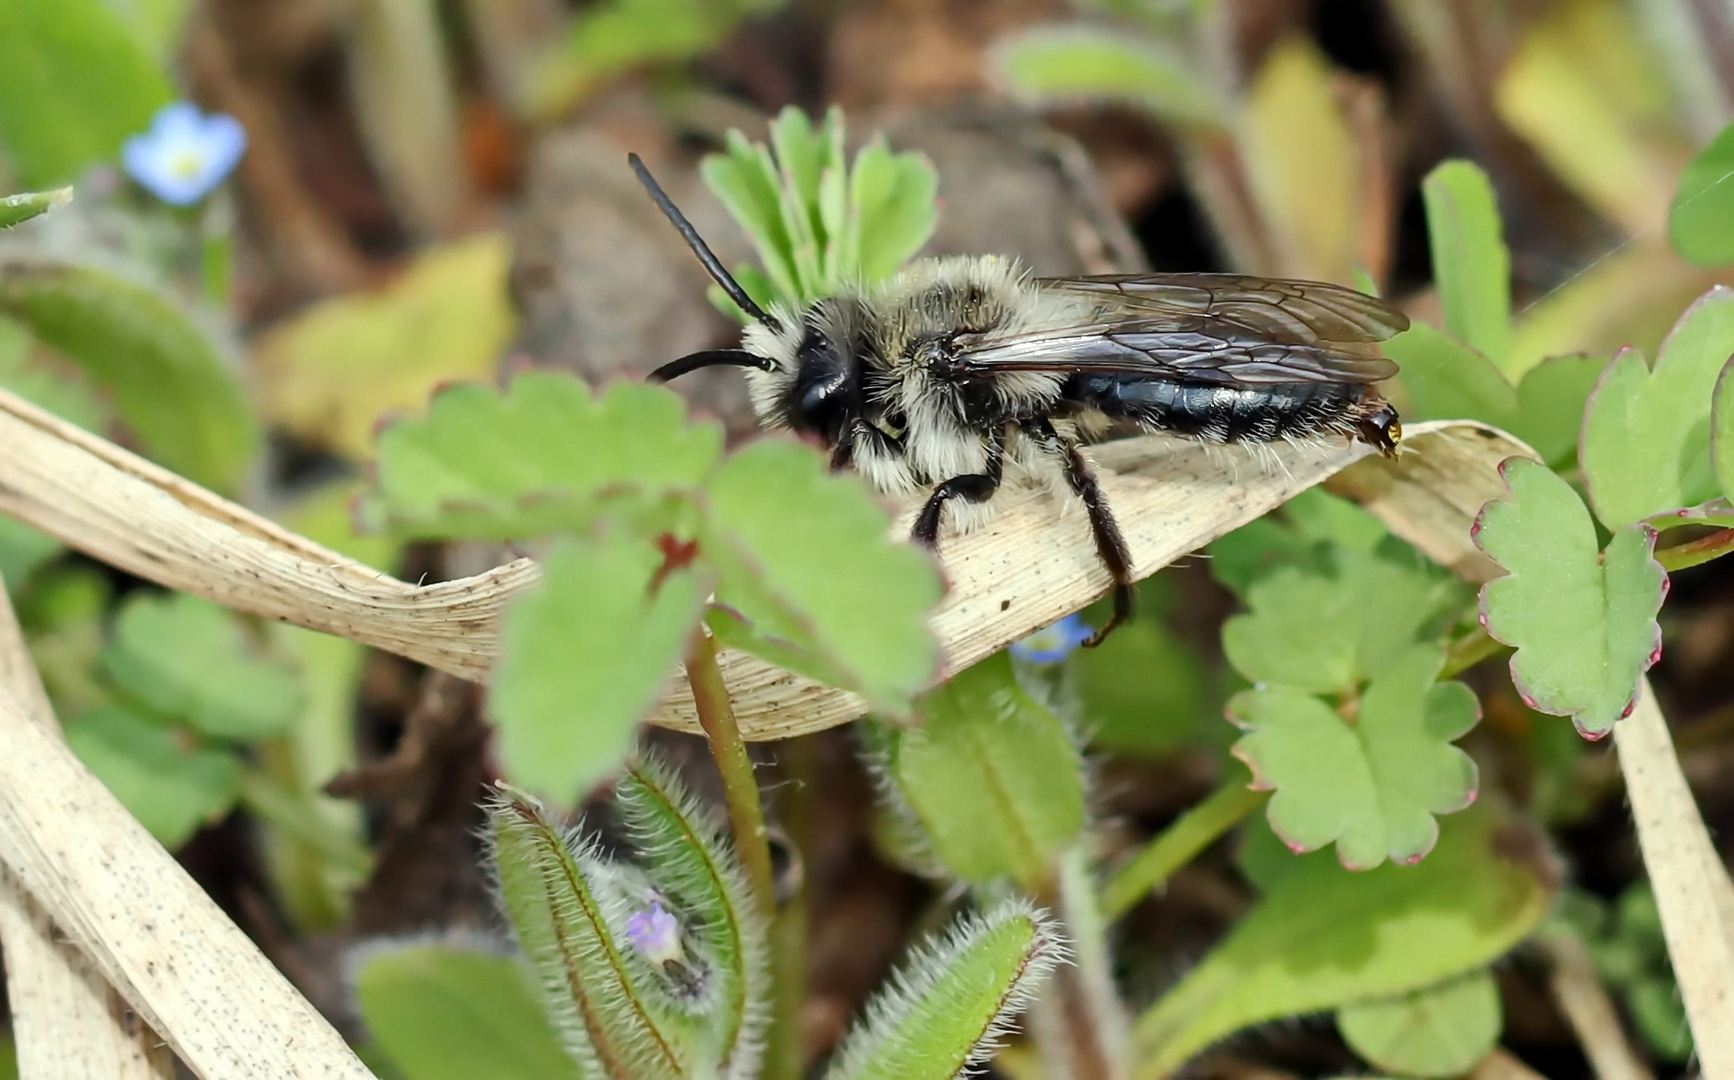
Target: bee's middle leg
(971, 487)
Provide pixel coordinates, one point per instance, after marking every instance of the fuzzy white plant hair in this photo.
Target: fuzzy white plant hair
(913, 987)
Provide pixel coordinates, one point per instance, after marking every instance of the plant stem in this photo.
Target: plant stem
(1695, 552)
(785, 1046)
(1469, 650)
(1190, 834)
(716, 715)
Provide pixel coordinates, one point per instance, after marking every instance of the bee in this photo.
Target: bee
(961, 372)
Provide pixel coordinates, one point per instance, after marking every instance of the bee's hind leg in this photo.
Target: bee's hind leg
(971, 487)
(1110, 544)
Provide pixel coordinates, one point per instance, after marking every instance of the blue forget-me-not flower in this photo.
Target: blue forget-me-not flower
(185, 154)
(1053, 644)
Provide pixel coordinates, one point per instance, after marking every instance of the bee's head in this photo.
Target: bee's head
(814, 386)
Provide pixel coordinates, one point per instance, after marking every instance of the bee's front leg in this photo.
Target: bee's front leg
(972, 487)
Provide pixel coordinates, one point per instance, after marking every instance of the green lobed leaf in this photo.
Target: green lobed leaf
(445, 1013)
(1471, 265)
(1646, 433)
(75, 82)
(799, 151)
(188, 659)
(893, 211)
(1079, 62)
(777, 524)
(1322, 938)
(1301, 534)
(542, 455)
(944, 1011)
(1701, 220)
(1373, 785)
(991, 779)
(584, 655)
(169, 780)
(17, 209)
(746, 181)
(1583, 622)
(170, 381)
(1448, 380)
(1722, 430)
(1550, 404)
(1442, 1030)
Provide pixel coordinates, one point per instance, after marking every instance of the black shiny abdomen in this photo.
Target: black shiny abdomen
(1219, 412)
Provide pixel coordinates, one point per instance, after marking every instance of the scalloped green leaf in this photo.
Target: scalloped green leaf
(1722, 430)
(1646, 433)
(171, 781)
(1701, 220)
(1441, 1030)
(584, 655)
(991, 780)
(172, 383)
(446, 1013)
(1448, 380)
(189, 660)
(893, 210)
(17, 209)
(1583, 622)
(1088, 63)
(1375, 784)
(1323, 937)
(777, 524)
(1551, 400)
(745, 179)
(544, 454)
(1471, 265)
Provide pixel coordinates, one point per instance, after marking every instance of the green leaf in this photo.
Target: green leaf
(167, 779)
(1448, 380)
(991, 780)
(1471, 265)
(893, 211)
(1583, 622)
(777, 525)
(17, 209)
(1659, 1016)
(1085, 63)
(1550, 404)
(170, 381)
(188, 659)
(1722, 430)
(75, 82)
(1701, 221)
(1646, 434)
(1143, 691)
(584, 656)
(746, 181)
(444, 1013)
(1322, 938)
(534, 458)
(1442, 1030)
(945, 1010)
(1372, 785)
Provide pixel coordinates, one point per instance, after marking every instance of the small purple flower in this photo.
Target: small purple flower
(1053, 644)
(185, 154)
(656, 935)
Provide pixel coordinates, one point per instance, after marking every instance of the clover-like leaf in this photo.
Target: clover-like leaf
(17, 209)
(945, 1011)
(777, 526)
(544, 454)
(991, 782)
(187, 659)
(1583, 622)
(1441, 1030)
(1448, 380)
(584, 655)
(171, 781)
(1550, 404)
(1085, 63)
(1701, 221)
(1471, 265)
(441, 1012)
(1646, 433)
(1322, 938)
(1373, 784)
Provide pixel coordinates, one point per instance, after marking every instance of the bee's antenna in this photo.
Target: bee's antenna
(696, 243)
(674, 369)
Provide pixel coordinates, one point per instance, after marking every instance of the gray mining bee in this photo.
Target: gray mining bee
(960, 370)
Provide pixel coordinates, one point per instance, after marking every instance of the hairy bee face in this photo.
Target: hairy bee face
(817, 382)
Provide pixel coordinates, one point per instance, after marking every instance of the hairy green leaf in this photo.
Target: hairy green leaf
(1701, 221)
(1080, 62)
(1471, 265)
(169, 780)
(1646, 434)
(1550, 404)
(584, 655)
(188, 659)
(945, 1010)
(1583, 622)
(991, 779)
(1449, 380)
(1323, 937)
(447, 1013)
(1441, 1030)
(171, 382)
(1372, 785)
(17, 209)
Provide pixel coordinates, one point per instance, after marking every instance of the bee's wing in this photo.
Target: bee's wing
(1218, 328)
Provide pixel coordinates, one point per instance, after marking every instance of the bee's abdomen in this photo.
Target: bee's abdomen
(1220, 413)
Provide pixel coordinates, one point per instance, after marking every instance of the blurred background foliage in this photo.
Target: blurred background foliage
(429, 192)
